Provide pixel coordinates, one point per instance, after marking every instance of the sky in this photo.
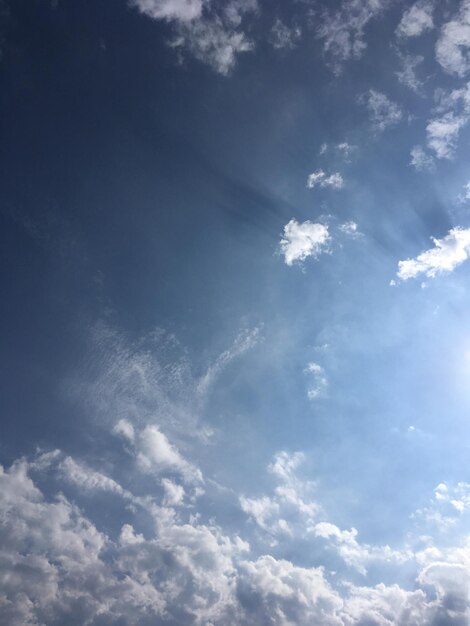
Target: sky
(235, 358)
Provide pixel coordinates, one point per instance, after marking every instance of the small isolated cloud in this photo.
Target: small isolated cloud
(283, 37)
(454, 41)
(346, 149)
(407, 75)
(302, 240)
(350, 229)
(448, 253)
(420, 159)
(342, 31)
(417, 19)
(321, 179)
(319, 381)
(465, 196)
(382, 111)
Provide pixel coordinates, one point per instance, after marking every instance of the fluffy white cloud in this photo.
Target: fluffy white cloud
(443, 133)
(382, 111)
(454, 41)
(350, 229)
(183, 10)
(283, 36)
(319, 381)
(321, 179)
(57, 567)
(417, 19)
(154, 453)
(212, 42)
(420, 159)
(454, 114)
(448, 253)
(407, 75)
(210, 31)
(302, 240)
(342, 31)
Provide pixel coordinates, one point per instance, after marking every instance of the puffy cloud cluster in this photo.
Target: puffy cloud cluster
(382, 111)
(417, 19)
(302, 240)
(210, 31)
(322, 179)
(447, 254)
(57, 566)
(342, 30)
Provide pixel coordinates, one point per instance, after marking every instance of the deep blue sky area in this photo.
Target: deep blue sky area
(235, 356)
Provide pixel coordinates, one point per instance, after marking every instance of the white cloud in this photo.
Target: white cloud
(453, 109)
(182, 10)
(342, 31)
(210, 31)
(420, 159)
(407, 75)
(212, 42)
(346, 149)
(454, 41)
(319, 381)
(302, 240)
(174, 493)
(447, 254)
(350, 229)
(382, 111)
(57, 567)
(465, 196)
(443, 133)
(283, 37)
(417, 19)
(321, 179)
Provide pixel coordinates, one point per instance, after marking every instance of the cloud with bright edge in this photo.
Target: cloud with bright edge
(321, 179)
(448, 253)
(417, 19)
(382, 111)
(302, 240)
(452, 47)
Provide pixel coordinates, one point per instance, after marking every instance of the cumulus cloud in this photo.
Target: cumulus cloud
(407, 75)
(342, 31)
(210, 31)
(420, 159)
(453, 114)
(58, 567)
(447, 254)
(417, 19)
(181, 10)
(302, 240)
(283, 36)
(382, 111)
(350, 229)
(319, 381)
(454, 41)
(154, 453)
(321, 179)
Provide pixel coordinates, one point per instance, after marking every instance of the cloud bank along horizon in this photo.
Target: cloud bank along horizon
(236, 352)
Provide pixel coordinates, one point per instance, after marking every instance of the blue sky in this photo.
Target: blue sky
(236, 344)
